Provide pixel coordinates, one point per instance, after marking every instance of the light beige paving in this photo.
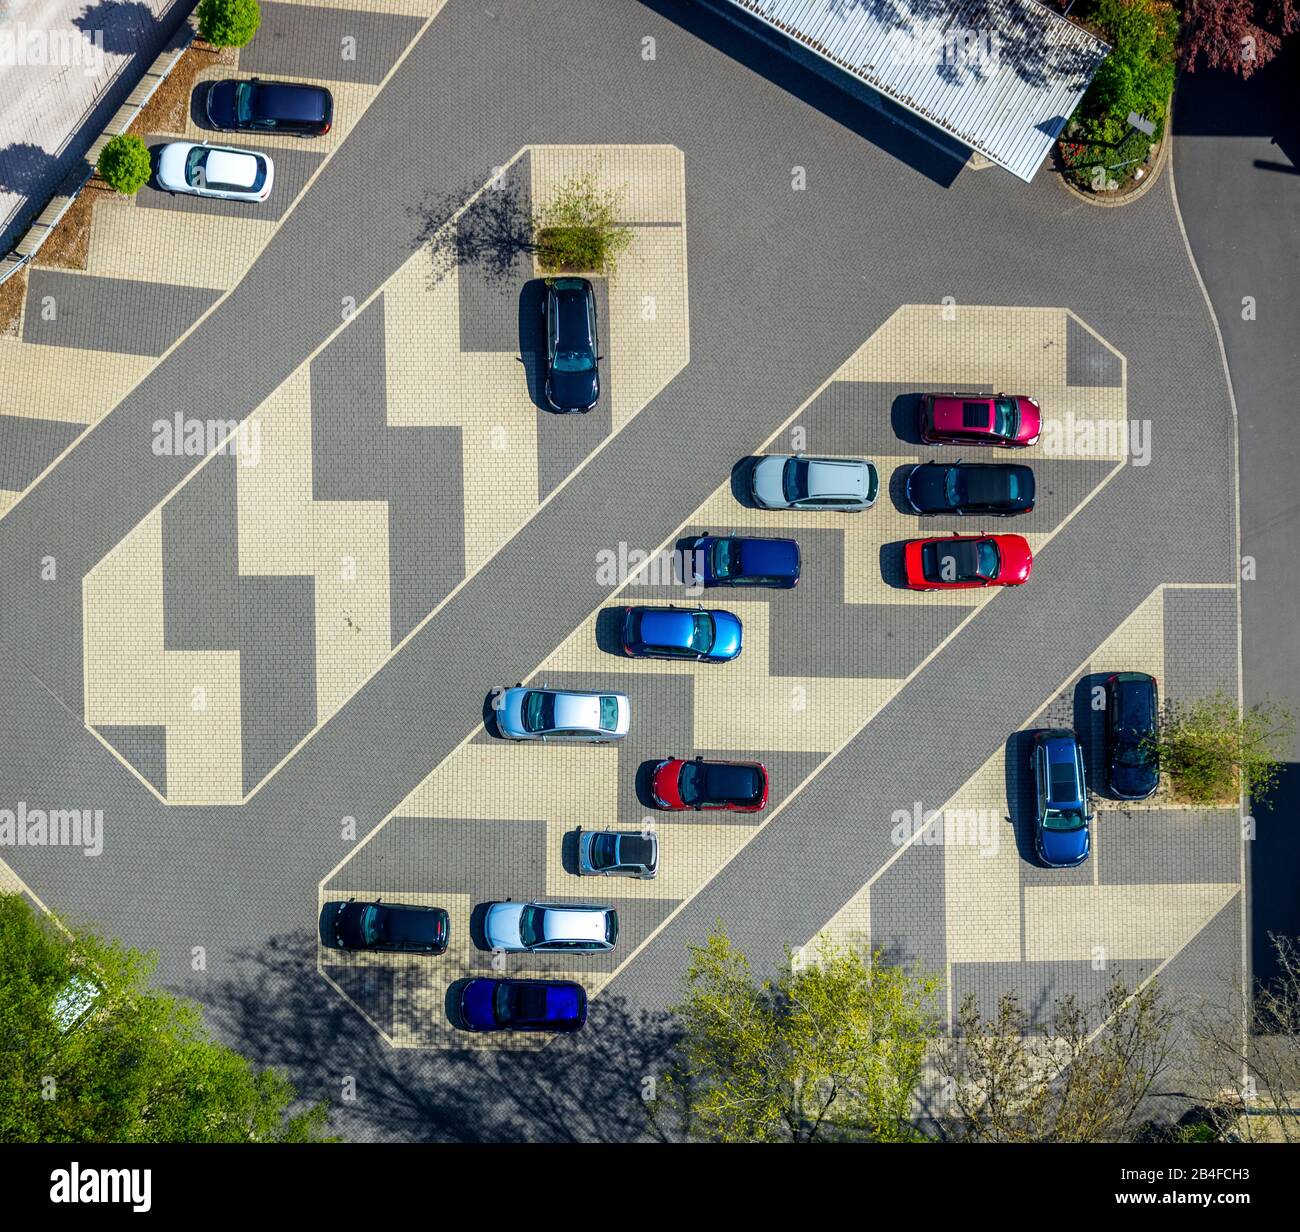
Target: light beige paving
(65, 383)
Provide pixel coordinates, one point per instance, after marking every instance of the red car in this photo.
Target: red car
(957, 562)
(738, 786)
(1010, 421)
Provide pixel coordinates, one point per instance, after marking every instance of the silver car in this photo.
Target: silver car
(618, 853)
(575, 928)
(215, 171)
(524, 713)
(784, 481)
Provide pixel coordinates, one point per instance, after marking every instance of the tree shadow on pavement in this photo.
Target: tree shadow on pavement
(26, 169)
(122, 26)
(277, 1011)
(491, 235)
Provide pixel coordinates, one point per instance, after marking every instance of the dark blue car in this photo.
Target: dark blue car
(1061, 837)
(1132, 722)
(401, 927)
(679, 633)
(732, 560)
(523, 1005)
(572, 346)
(270, 107)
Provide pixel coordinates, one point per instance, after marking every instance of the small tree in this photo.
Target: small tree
(125, 164)
(1237, 35)
(132, 1064)
(1138, 75)
(1212, 751)
(578, 229)
(833, 1049)
(228, 23)
(1065, 1082)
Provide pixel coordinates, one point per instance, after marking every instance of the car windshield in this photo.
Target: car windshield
(369, 923)
(726, 558)
(691, 782)
(953, 488)
(244, 92)
(530, 926)
(604, 851)
(539, 712)
(702, 632)
(796, 480)
(194, 166)
(574, 361)
(1006, 417)
(503, 1002)
(1063, 819)
(609, 713)
(1135, 750)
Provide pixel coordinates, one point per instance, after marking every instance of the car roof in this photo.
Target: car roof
(235, 167)
(667, 626)
(637, 849)
(573, 923)
(776, 557)
(837, 477)
(290, 101)
(735, 781)
(580, 710)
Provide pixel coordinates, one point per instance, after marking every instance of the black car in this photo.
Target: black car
(384, 926)
(572, 347)
(987, 489)
(1132, 717)
(270, 107)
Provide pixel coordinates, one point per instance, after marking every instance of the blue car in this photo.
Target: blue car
(1061, 836)
(572, 349)
(679, 633)
(732, 560)
(523, 1005)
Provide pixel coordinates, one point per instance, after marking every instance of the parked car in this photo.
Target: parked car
(1061, 835)
(681, 633)
(1132, 719)
(384, 926)
(733, 560)
(737, 786)
(270, 106)
(1011, 421)
(618, 853)
(572, 346)
(215, 171)
(795, 482)
(957, 562)
(524, 713)
(990, 489)
(550, 927)
(523, 1005)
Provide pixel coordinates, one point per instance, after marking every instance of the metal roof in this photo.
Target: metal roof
(1001, 76)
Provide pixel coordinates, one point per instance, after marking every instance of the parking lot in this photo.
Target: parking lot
(272, 660)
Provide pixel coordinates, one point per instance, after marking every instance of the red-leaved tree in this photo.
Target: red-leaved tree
(1237, 35)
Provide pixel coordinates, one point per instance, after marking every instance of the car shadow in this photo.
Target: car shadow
(451, 1002)
(155, 159)
(685, 565)
(478, 925)
(742, 475)
(532, 341)
(490, 714)
(609, 630)
(644, 774)
(1090, 727)
(903, 415)
(898, 490)
(1019, 785)
(199, 107)
(569, 851)
(892, 572)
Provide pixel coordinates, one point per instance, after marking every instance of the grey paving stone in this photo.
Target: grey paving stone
(908, 921)
(494, 267)
(28, 446)
(277, 669)
(1087, 361)
(1168, 846)
(293, 168)
(371, 988)
(200, 561)
(1038, 986)
(111, 314)
(1200, 644)
(144, 746)
(297, 40)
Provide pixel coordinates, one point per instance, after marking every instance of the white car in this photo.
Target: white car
(780, 481)
(546, 928)
(562, 714)
(215, 171)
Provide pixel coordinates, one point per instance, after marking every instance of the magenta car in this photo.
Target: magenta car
(1009, 421)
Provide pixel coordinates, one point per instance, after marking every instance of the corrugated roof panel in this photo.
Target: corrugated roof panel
(1002, 76)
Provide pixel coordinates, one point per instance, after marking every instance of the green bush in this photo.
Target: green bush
(578, 229)
(1212, 751)
(228, 23)
(125, 164)
(1138, 75)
